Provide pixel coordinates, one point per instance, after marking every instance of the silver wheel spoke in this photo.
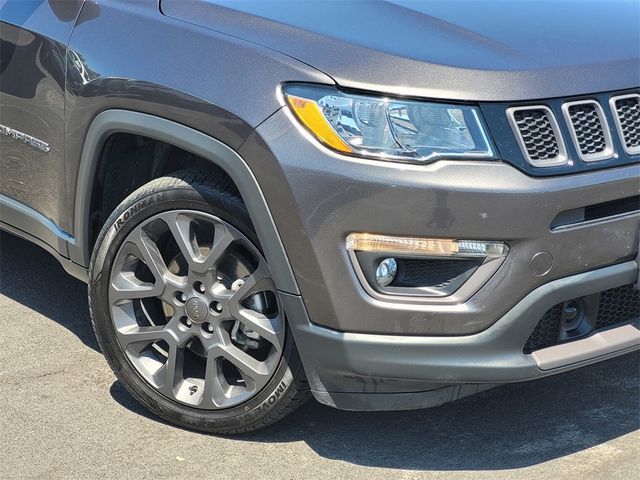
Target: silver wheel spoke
(135, 334)
(199, 262)
(179, 336)
(180, 226)
(248, 366)
(223, 238)
(268, 328)
(171, 370)
(130, 290)
(259, 281)
(213, 395)
(150, 254)
(125, 285)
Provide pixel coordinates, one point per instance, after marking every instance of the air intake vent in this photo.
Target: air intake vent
(626, 110)
(589, 130)
(538, 135)
(593, 313)
(616, 304)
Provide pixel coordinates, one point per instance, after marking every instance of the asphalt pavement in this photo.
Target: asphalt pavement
(64, 415)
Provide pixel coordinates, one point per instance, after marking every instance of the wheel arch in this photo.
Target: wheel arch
(114, 121)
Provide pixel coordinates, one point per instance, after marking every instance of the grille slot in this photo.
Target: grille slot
(613, 306)
(589, 130)
(538, 135)
(626, 110)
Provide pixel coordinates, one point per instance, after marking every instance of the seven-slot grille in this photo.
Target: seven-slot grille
(541, 141)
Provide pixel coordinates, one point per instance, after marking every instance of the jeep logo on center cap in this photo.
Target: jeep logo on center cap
(196, 310)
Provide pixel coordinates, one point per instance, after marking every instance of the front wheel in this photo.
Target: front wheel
(186, 312)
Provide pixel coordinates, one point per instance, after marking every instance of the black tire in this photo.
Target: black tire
(284, 392)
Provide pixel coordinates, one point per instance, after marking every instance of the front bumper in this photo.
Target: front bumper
(372, 372)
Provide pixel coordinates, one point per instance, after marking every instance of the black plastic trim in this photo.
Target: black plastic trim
(198, 143)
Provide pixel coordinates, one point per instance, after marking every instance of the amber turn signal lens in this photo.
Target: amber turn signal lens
(308, 112)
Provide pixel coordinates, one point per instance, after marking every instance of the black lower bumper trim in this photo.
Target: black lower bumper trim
(355, 363)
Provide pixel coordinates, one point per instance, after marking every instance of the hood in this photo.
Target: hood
(469, 50)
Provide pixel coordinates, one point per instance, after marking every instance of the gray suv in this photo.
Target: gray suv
(385, 205)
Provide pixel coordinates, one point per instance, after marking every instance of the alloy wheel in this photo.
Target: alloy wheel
(195, 309)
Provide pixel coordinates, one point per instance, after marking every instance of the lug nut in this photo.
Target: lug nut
(210, 328)
(188, 322)
(216, 306)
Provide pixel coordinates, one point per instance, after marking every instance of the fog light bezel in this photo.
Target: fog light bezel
(366, 250)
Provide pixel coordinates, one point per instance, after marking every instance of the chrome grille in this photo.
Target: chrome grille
(538, 135)
(626, 109)
(541, 140)
(589, 130)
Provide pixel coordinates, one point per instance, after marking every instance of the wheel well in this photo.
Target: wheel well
(127, 162)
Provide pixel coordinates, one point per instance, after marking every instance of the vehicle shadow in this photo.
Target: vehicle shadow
(509, 427)
(32, 277)
(513, 426)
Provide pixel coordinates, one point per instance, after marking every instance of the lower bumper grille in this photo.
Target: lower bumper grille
(576, 318)
(618, 305)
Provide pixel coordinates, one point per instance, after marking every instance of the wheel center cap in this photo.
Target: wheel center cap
(196, 310)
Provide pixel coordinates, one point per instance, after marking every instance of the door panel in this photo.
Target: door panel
(33, 39)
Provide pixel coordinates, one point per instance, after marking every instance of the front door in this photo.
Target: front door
(33, 39)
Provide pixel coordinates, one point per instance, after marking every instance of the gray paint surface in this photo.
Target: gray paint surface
(465, 51)
(32, 92)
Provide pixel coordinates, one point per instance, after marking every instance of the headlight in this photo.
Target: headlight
(390, 128)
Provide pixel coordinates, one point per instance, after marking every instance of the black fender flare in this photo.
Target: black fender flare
(113, 121)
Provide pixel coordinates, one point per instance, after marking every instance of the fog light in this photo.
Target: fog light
(386, 271)
(571, 315)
